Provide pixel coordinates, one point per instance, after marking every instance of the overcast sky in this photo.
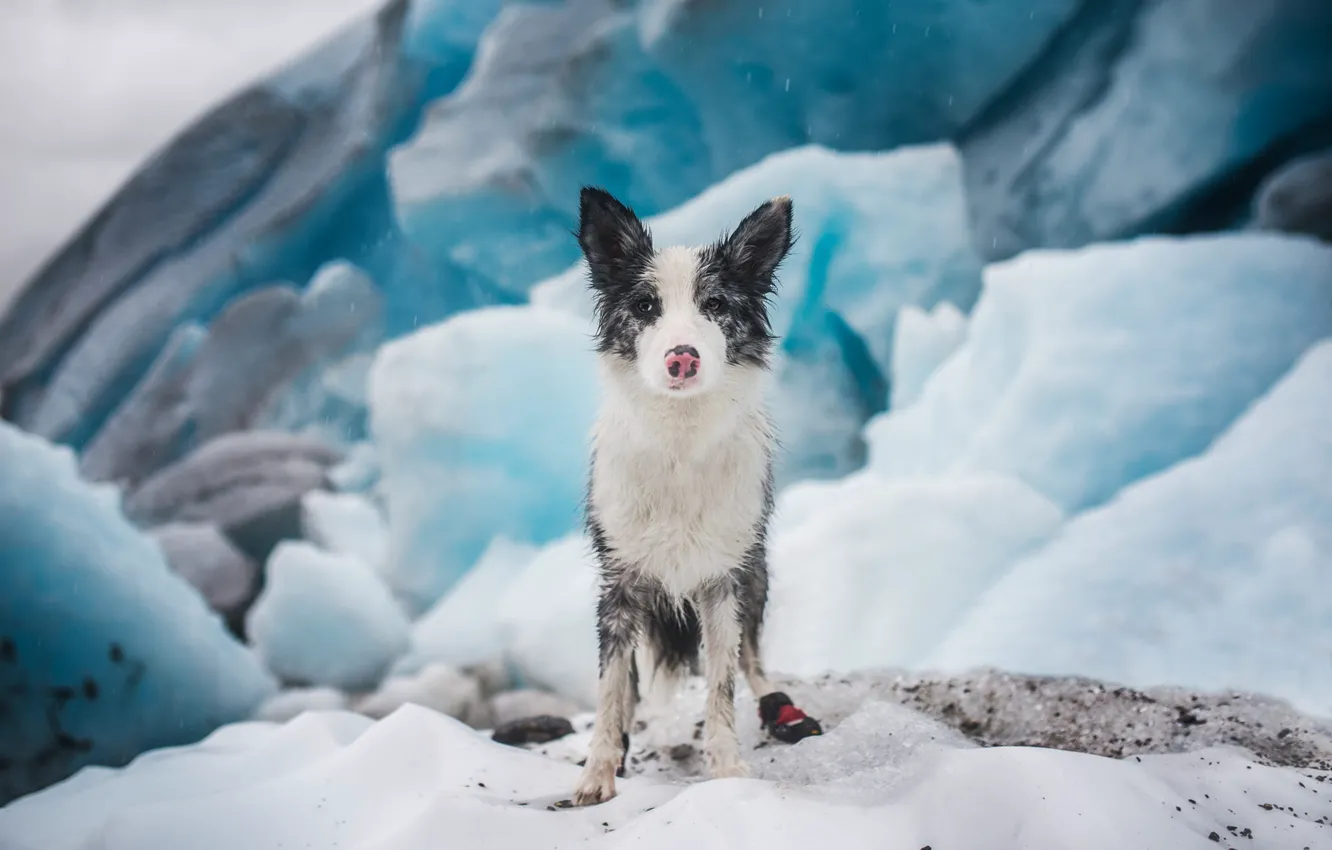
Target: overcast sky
(89, 87)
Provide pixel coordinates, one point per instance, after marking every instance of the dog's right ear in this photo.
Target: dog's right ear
(616, 244)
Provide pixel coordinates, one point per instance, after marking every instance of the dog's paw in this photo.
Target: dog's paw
(784, 721)
(596, 786)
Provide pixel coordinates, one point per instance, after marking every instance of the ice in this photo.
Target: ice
(1298, 197)
(481, 424)
(104, 652)
(150, 428)
(248, 483)
(346, 524)
(1142, 115)
(869, 572)
(883, 776)
(202, 555)
(1206, 575)
(260, 189)
(657, 102)
(439, 687)
(463, 628)
(548, 620)
(325, 619)
(921, 341)
(1085, 370)
(241, 372)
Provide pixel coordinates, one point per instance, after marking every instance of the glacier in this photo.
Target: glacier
(1054, 255)
(104, 651)
(1080, 389)
(1208, 574)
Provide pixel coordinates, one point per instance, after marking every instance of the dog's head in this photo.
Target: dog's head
(682, 317)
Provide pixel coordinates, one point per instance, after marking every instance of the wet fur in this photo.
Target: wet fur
(680, 485)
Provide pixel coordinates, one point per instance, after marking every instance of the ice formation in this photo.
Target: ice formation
(1206, 575)
(1083, 371)
(104, 651)
(325, 619)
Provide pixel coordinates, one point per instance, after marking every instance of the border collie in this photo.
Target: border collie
(680, 488)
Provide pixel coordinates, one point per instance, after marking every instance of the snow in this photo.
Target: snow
(921, 342)
(104, 651)
(345, 524)
(482, 425)
(1207, 575)
(1085, 370)
(869, 571)
(463, 627)
(883, 777)
(325, 619)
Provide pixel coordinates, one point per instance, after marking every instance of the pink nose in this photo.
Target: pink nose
(682, 362)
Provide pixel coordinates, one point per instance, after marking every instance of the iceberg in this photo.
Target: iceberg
(325, 620)
(202, 555)
(1209, 574)
(345, 524)
(482, 426)
(1085, 370)
(104, 651)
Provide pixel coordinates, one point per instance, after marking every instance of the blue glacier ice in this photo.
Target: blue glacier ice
(1212, 574)
(325, 619)
(270, 185)
(104, 652)
(1148, 116)
(481, 424)
(1083, 371)
(658, 100)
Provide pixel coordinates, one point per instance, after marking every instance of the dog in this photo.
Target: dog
(680, 483)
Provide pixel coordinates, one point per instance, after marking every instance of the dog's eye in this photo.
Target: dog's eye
(646, 307)
(714, 304)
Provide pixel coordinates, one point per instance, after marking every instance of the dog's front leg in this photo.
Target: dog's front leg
(720, 618)
(619, 619)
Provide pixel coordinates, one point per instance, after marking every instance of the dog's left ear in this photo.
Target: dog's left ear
(761, 242)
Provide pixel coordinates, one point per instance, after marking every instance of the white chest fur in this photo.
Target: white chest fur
(678, 484)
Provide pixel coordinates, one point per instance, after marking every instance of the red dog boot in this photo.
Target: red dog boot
(784, 721)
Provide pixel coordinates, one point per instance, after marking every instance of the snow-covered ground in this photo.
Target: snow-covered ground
(884, 776)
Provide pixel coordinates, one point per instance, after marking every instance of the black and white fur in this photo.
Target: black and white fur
(680, 489)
